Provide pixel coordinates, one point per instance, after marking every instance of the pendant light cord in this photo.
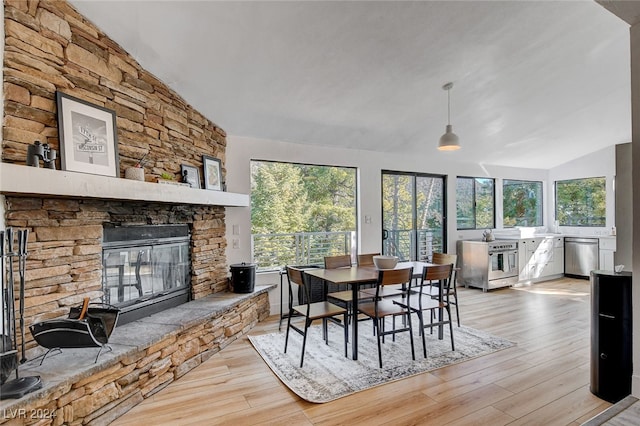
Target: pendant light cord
(449, 106)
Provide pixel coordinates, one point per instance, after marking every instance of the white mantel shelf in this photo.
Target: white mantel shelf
(33, 181)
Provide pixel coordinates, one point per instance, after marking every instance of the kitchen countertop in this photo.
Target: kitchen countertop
(549, 234)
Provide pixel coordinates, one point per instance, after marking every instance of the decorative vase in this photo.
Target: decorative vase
(134, 173)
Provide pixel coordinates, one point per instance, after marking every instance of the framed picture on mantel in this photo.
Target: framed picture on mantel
(190, 175)
(212, 173)
(88, 137)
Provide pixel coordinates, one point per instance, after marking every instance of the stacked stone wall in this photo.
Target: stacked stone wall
(50, 47)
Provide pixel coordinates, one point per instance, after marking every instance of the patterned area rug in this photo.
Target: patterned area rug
(327, 375)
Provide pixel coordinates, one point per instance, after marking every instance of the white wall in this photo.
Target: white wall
(241, 150)
(597, 164)
(624, 206)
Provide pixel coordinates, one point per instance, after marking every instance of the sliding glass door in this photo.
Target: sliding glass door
(413, 215)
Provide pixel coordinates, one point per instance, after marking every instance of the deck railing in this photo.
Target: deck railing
(402, 243)
(272, 251)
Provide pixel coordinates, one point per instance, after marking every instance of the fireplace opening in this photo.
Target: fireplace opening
(145, 269)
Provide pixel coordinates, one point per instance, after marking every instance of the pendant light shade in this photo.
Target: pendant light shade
(449, 141)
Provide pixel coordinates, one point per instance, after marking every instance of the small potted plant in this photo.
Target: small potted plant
(170, 179)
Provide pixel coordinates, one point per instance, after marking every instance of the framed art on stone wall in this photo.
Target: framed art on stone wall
(212, 173)
(88, 137)
(190, 175)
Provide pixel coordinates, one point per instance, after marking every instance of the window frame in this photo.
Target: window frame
(541, 202)
(356, 194)
(591, 225)
(475, 203)
(415, 176)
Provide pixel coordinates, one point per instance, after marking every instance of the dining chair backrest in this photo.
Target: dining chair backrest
(296, 277)
(333, 262)
(392, 277)
(366, 259)
(443, 258)
(437, 273)
(395, 276)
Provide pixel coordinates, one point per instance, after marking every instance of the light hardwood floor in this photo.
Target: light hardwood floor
(543, 380)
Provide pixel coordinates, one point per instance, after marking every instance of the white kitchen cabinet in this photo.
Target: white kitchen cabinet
(607, 248)
(558, 256)
(528, 265)
(541, 258)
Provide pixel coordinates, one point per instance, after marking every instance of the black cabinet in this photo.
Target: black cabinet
(611, 340)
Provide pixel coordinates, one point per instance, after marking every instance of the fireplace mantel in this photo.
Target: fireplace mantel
(33, 181)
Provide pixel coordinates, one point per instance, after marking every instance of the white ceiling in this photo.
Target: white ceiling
(536, 84)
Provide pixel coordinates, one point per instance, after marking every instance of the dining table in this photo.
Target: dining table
(356, 277)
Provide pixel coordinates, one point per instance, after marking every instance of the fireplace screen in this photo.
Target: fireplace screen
(145, 265)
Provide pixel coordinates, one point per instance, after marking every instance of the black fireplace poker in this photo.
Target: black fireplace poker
(19, 386)
(23, 236)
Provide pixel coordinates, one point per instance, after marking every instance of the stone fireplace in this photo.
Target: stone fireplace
(50, 47)
(66, 212)
(67, 239)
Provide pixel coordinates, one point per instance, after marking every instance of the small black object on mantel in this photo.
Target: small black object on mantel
(38, 151)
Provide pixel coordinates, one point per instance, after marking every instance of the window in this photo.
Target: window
(581, 202)
(521, 203)
(475, 203)
(301, 213)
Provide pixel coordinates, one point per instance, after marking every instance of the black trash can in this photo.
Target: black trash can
(611, 335)
(243, 277)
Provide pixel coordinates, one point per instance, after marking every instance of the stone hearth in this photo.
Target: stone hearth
(147, 355)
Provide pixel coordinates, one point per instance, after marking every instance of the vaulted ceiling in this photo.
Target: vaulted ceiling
(536, 84)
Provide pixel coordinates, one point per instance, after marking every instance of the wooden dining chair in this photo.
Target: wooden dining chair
(345, 296)
(312, 311)
(380, 308)
(387, 291)
(339, 261)
(366, 259)
(434, 289)
(419, 300)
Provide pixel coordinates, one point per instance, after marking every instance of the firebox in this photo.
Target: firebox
(145, 269)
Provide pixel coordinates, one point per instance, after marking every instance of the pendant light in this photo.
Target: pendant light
(449, 141)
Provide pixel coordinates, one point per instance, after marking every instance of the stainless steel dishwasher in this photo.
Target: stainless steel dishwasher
(580, 256)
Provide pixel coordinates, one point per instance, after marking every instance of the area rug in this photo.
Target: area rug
(327, 375)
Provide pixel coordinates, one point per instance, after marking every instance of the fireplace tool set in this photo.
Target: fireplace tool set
(19, 386)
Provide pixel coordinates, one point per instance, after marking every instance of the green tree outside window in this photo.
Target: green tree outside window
(581, 202)
(521, 203)
(475, 203)
(289, 199)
